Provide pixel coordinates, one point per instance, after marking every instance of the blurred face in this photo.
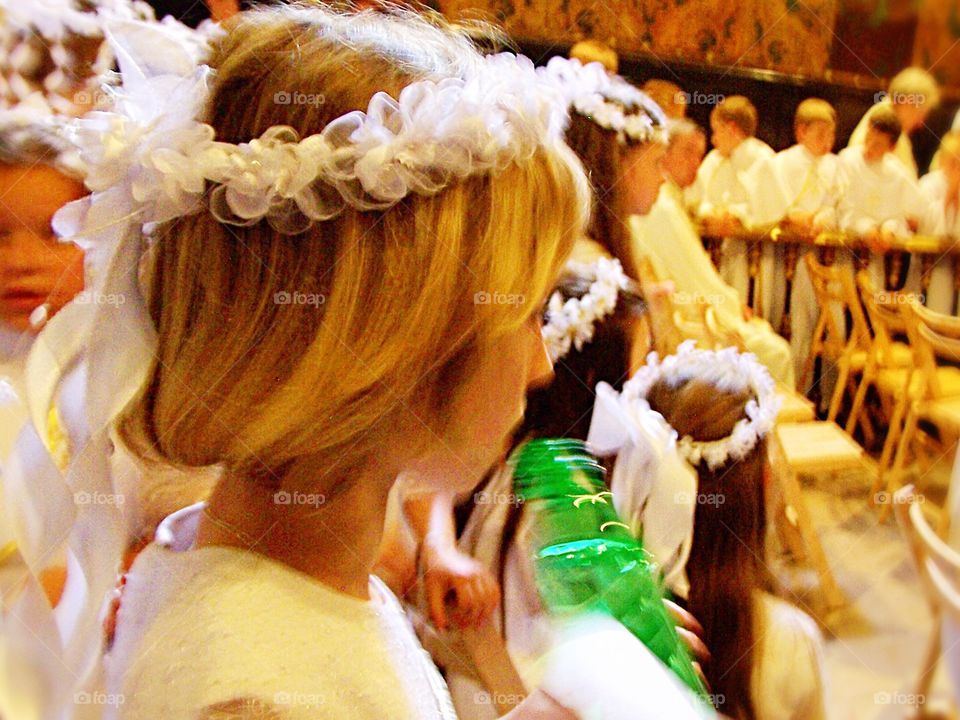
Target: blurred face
(817, 137)
(485, 409)
(725, 136)
(35, 268)
(911, 115)
(641, 175)
(683, 158)
(876, 145)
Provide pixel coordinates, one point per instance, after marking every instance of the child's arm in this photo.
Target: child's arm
(453, 581)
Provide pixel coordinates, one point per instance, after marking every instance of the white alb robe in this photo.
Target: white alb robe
(796, 181)
(880, 195)
(940, 221)
(669, 239)
(902, 151)
(722, 187)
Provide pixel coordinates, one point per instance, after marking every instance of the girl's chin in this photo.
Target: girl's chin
(19, 323)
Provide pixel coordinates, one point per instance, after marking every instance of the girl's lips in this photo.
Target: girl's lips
(22, 300)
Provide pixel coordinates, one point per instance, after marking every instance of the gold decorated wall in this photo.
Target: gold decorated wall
(809, 38)
(791, 36)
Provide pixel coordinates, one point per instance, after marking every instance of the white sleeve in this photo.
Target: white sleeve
(696, 196)
(766, 192)
(850, 218)
(932, 219)
(600, 671)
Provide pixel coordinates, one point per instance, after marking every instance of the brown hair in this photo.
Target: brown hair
(814, 110)
(600, 152)
(246, 378)
(725, 567)
(885, 120)
(738, 110)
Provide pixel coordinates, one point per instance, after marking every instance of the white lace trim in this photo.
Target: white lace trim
(572, 323)
(729, 371)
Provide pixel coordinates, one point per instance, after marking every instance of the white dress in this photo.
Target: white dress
(206, 627)
(14, 347)
(939, 221)
(788, 677)
(668, 238)
(722, 185)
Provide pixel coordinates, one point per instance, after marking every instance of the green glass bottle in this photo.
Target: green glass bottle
(585, 557)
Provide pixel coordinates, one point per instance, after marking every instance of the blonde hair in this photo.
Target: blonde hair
(588, 51)
(669, 96)
(273, 347)
(738, 110)
(814, 110)
(914, 86)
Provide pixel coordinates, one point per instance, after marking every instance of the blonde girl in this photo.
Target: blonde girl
(330, 258)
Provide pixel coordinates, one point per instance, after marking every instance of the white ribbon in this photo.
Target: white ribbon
(654, 489)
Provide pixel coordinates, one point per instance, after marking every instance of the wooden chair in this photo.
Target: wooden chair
(885, 355)
(808, 448)
(929, 392)
(938, 566)
(836, 292)
(661, 312)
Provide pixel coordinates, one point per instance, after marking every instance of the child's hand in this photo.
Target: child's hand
(689, 631)
(801, 222)
(458, 588)
(876, 242)
(721, 225)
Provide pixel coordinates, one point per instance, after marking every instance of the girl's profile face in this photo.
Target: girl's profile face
(486, 408)
(641, 175)
(35, 267)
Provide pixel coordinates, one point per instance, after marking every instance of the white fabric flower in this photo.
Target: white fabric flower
(608, 100)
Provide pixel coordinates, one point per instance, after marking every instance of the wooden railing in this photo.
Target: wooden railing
(927, 250)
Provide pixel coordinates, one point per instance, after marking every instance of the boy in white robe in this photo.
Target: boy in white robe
(720, 197)
(912, 94)
(882, 200)
(940, 191)
(669, 239)
(799, 188)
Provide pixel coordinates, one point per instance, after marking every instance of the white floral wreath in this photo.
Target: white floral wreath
(610, 101)
(571, 323)
(149, 159)
(729, 371)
